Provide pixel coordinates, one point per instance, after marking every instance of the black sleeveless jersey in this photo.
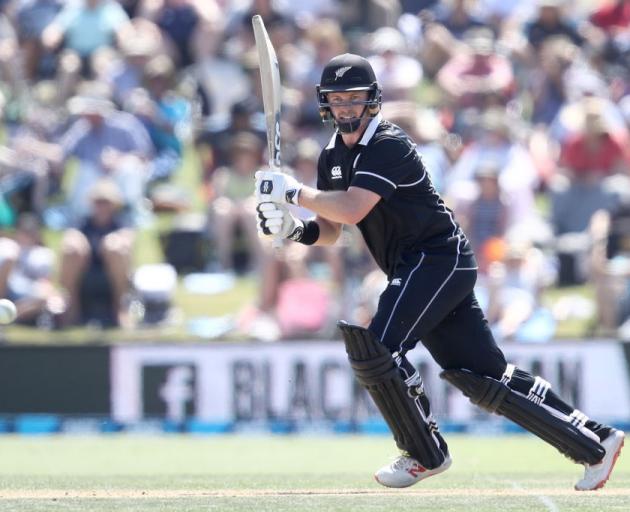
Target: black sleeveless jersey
(410, 217)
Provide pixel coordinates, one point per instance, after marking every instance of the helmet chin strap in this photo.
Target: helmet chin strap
(351, 125)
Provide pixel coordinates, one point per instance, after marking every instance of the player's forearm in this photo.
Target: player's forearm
(328, 231)
(334, 205)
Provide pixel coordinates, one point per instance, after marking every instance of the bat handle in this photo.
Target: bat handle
(277, 244)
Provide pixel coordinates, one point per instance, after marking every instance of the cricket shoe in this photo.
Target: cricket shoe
(406, 471)
(596, 475)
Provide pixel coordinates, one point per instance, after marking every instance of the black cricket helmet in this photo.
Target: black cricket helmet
(347, 73)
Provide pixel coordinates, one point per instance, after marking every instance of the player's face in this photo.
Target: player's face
(347, 105)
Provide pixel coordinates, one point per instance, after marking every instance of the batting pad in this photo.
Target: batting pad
(543, 421)
(376, 370)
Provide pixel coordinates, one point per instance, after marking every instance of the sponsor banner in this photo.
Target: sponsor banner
(58, 380)
(312, 382)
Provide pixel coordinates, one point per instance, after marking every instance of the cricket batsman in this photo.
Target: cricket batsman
(371, 175)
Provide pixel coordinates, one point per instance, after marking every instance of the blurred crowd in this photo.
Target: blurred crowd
(521, 111)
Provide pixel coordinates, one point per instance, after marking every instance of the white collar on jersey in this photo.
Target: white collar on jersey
(367, 135)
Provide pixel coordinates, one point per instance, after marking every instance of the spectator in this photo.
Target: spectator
(398, 74)
(503, 15)
(479, 77)
(548, 88)
(496, 142)
(306, 11)
(486, 217)
(23, 181)
(329, 257)
(444, 27)
(141, 42)
(96, 261)
(612, 16)
(323, 40)
(233, 206)
(593, 151)
(165, 114)
(85, 26)
(573, 204)
(304, 165)
(182, 22)
(11, 71)
(28, 179)
(106, 142)
(610, 264)
(214, 142)
(550, 22)
(279, 24)
(514, 287)
(131, 7)
(458, 18)
(590, 158)
(26, 268)
(211, 73)
(415, 6)
(288, 282)
(33, 16)
(425, 127)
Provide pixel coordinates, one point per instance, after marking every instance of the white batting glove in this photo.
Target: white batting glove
(277, 187)
(275, 220)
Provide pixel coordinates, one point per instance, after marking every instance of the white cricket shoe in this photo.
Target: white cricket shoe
(406, 471)
(596, 475)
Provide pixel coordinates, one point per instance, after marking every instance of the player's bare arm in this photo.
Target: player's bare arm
(276, 221)
(329, 231)
(275, 190)
(345, 207)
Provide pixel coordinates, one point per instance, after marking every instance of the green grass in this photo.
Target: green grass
(232, 473)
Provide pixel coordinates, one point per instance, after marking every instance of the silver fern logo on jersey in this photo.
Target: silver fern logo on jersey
(341, 71)
(335, 172)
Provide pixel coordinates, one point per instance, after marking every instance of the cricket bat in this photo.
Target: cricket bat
(272, 95)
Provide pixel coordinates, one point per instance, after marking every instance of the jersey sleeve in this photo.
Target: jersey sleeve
(385, 164)
(323, 182)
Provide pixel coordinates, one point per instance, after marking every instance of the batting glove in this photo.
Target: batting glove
(275, 220)
(277, 187)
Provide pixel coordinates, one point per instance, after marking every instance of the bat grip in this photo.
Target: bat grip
(277, 242)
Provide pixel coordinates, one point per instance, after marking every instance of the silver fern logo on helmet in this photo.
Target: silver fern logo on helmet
(341, 71)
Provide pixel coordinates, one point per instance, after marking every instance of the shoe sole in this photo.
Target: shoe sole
(394, 486)
(412, 483)
(602, 482)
